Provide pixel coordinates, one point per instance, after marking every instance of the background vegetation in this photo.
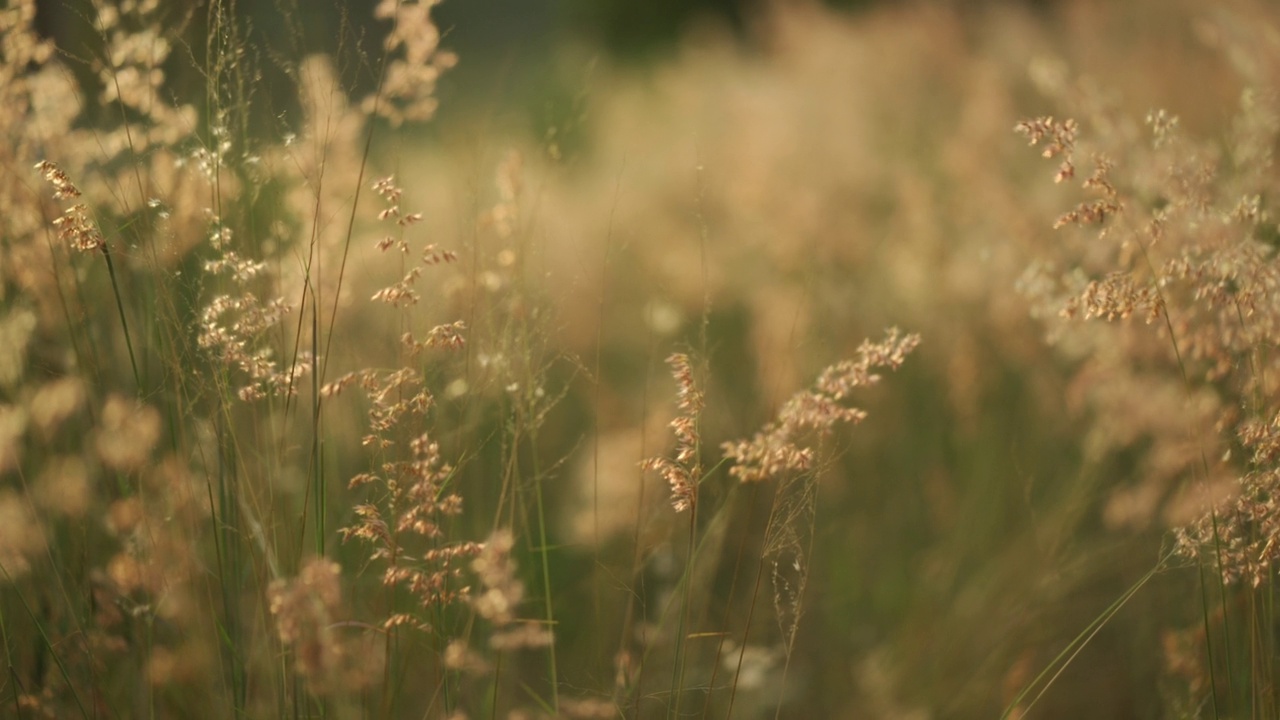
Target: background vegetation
(583, 398)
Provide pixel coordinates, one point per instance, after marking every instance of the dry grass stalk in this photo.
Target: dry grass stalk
(684, 472)
(775, 451)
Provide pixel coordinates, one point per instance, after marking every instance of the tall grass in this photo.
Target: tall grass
(326, 406)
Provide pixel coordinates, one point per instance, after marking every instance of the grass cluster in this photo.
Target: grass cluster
(323, 406)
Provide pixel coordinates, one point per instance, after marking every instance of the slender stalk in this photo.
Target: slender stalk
(124, 321)
(1063, 659)
(544, 551)
(48, 645)
(682, 629)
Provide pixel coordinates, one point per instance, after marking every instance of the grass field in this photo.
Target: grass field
(919, 362)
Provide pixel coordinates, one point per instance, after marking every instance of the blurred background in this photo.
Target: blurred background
(512, 47)
(765, 184)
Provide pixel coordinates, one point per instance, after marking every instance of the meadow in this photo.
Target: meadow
(913, 362)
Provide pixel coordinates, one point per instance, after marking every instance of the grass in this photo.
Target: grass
(322, 403)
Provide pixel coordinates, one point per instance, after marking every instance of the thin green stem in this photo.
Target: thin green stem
(751, 609)
(682, 631)
(48, 645)
(546, 573)
(1046, 678)
(124, 321)
(1213, 510)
